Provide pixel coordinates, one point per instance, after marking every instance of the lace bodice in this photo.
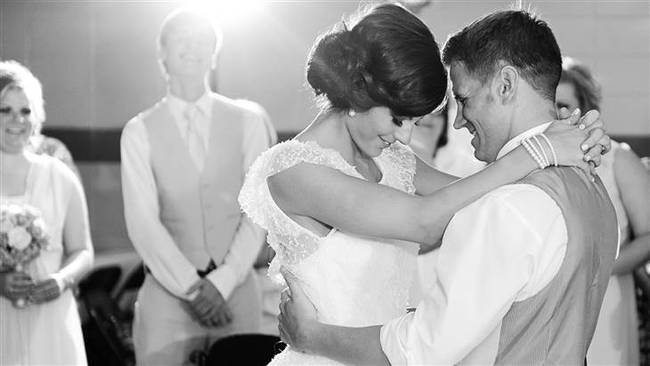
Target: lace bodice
(291, 241)
(351, 280)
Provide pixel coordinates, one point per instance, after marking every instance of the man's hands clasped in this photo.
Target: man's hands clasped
(209, 307)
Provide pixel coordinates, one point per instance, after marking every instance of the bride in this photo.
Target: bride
(345, 171)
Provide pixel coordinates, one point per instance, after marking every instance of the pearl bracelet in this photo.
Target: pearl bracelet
(532, 151)
(537, 150)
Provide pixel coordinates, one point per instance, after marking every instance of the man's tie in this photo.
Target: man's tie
(195, 142)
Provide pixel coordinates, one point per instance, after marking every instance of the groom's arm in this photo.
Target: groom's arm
(300, 328)
(351, 346)
(480, 273)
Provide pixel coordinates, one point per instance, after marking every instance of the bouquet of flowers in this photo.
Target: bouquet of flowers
(22, 237)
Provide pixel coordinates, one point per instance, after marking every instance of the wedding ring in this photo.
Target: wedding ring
(603, 149)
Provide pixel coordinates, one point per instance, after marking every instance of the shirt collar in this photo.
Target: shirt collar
(514, 142)
(178, 105)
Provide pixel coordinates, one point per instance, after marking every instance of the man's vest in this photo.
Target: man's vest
(198, 209)
(555, 326)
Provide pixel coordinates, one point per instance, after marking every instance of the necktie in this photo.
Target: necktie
(195, 142)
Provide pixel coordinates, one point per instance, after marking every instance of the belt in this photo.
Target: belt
(201, 272)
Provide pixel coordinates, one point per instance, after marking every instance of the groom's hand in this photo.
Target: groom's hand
(297, 319)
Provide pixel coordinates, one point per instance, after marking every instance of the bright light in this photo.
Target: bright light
(228, 12)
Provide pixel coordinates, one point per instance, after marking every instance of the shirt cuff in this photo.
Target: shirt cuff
(224, 279)
(190, 280)
(390, 339)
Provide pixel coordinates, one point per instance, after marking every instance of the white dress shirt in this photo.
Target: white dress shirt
(503, 248)
(150, 238)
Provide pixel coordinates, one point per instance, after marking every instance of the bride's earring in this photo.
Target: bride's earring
(351, 113)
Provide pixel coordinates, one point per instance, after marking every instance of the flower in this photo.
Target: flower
(23, 235)
(38, 228)
(19, 238)
(21, 219)
(6, 225)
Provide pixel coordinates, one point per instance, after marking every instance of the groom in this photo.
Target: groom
(522, 271)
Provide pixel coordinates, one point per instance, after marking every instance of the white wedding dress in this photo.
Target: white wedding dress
(48, 333)
(351, 280)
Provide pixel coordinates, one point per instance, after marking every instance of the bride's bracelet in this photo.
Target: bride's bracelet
(541, 149)
(550, 146)
(535, 146)
(532, 152)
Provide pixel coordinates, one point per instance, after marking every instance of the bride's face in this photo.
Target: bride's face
(15, 120)
(377, 128)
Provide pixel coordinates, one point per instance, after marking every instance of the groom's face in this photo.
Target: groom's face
(479, 112)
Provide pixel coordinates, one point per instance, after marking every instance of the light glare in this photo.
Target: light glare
(228, 12)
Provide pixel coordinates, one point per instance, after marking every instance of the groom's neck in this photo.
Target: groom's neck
(532, 112)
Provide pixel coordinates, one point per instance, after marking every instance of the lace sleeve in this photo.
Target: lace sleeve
(290, 241)
(401, 161)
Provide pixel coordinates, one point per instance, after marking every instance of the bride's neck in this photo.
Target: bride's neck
(330, 131)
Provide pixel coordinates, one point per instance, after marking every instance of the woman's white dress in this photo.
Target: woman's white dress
(616, 338)
(48, 333)
(351, 280)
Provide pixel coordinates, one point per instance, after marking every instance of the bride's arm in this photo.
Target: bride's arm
(428, 179)
(364, 208)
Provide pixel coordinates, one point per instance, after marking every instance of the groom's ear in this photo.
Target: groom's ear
(507, 80)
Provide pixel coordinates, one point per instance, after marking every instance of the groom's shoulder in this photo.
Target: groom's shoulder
(504, 207)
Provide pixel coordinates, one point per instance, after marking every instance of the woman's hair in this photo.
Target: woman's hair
(587, 88)
(14, 75)
(443, 139)
(387, 58)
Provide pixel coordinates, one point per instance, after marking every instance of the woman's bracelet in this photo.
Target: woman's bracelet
(541, 148)
(550, 146)
(532, 151)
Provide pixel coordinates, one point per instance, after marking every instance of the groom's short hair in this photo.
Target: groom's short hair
(514, 37)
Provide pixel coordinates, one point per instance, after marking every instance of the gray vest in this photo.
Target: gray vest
(556, 325)
(199, 210)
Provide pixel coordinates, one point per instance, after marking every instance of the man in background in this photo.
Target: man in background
(183, 163)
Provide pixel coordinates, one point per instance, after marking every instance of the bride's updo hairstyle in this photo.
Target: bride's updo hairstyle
(388, 58)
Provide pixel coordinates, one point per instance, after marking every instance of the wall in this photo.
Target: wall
(97, 60)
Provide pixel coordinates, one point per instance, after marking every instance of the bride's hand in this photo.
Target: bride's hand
(579, 141)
